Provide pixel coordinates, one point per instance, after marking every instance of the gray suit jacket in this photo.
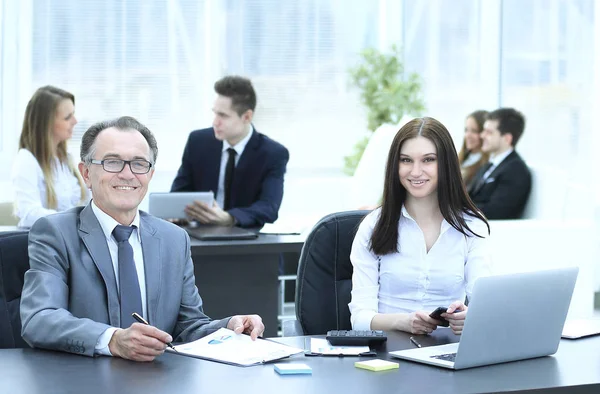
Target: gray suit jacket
(70, 293)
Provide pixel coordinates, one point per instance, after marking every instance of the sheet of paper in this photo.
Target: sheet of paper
(580, 328)
(291, 224)
(227, 346)
(282, 228)
(322, 346)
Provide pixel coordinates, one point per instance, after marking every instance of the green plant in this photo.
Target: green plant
(386, 91)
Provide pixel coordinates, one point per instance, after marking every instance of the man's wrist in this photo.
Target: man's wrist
(103, 343)
(112, 344)
(232, 220)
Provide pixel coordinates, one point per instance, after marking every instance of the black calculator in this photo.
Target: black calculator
(356, 337)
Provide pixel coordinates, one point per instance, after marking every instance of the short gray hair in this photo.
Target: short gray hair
(123, 123)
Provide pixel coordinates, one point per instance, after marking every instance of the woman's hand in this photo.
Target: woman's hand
(456, 315)
(419, 322)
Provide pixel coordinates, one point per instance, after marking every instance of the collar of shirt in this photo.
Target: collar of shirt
(240, 146)
(108, 224)
(496, 160)
(443, 228)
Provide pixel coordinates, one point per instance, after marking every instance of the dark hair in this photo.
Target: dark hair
(469, 172)
(123, 123)
(453, 199)
(510, 121)
(239, 90)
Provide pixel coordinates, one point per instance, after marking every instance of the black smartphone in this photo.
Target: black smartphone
(437, 315)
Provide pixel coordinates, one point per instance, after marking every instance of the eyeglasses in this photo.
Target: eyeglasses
(138, 166)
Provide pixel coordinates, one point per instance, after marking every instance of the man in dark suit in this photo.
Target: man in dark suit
(243, 167)
(92, 267)
(501, 188)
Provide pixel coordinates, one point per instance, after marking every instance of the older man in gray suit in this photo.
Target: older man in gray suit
(92, 267)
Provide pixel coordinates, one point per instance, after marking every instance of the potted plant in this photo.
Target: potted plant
(387, 92)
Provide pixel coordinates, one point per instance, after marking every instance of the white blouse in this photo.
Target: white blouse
(30, 188)
(414, 279)
(471, 159)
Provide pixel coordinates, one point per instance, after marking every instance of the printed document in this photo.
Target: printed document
(226, 346)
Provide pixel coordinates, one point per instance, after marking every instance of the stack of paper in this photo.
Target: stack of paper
(293, 369)
(322, 346)
(376, 365)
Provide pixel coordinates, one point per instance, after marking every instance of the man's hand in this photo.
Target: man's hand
(249, 324)
(139, 342)
(209, 215)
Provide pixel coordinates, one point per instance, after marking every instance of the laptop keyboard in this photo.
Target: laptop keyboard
(446, 357)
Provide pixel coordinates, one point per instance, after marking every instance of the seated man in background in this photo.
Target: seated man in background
(243, 167)
(92, 267)
(501, 188)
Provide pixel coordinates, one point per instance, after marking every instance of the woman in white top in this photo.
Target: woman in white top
(426, 245)
(44, 178)
(470, 157)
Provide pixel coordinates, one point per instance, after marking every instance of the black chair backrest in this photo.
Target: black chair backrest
(324, 278)
(14, 261)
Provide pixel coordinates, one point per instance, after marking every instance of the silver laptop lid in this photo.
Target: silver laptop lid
(515, 317)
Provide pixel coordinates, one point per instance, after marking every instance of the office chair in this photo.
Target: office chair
(325, 276)
(14, 261)
(7, 218)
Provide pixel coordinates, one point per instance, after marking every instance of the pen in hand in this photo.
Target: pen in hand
(414, 341)
(140, 319)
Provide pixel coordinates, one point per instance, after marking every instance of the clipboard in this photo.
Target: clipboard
(227, 347)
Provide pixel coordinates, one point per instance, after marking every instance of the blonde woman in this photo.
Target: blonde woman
(44, 179)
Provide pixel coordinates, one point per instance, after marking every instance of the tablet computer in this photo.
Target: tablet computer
(172, 205)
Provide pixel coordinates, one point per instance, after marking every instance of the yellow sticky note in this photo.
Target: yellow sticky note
(376, 365)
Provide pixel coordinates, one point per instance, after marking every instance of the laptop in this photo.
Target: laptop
(511, 317)
(220, 233)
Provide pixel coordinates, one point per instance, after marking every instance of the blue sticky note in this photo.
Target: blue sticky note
(293, 369)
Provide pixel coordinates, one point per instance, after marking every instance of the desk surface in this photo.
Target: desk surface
(6, 229)
(577, 363)
(265, 243)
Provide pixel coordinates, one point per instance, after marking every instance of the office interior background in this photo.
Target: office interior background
(157, 60)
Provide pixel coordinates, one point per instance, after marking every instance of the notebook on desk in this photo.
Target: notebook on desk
(511, 317)
(220, 233)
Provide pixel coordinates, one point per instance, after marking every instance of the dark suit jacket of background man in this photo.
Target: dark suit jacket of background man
(505, 192)
(257, 187)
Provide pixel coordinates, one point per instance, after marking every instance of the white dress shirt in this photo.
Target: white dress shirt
(239, 149)
(108, 224)
(414, 279)
(496, 160)
(29, 187)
